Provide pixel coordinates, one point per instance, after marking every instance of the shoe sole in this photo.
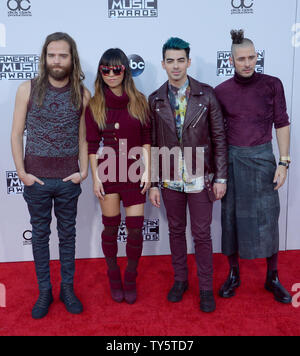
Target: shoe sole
(71, 312)
(208, 310)
(130, 301)
(119, 298)
(44, 315)
(277, 298)
(178, 300)
(232, 294)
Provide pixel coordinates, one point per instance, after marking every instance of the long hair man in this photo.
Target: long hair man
(51, 108)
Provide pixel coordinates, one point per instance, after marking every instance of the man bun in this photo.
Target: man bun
(237, 36)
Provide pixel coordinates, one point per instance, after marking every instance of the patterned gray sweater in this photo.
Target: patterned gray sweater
(52, 144)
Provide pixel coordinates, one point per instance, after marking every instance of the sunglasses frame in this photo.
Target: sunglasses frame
(118, 67)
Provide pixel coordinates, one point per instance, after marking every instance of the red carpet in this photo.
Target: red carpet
(253, 311)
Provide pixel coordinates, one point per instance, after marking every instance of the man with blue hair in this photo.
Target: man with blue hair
(185, 114)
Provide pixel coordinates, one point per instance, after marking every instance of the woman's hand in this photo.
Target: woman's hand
(145, 182)
(154, 197)
(98, 189)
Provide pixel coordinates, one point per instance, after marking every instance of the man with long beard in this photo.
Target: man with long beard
(51, 108)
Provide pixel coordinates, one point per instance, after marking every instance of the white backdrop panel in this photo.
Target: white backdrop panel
(293, 236)
(206, 25)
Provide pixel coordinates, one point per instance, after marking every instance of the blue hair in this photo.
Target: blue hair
(178, 44)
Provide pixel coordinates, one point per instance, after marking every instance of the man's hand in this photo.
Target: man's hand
(29, 179)
(280, 176)
(220, 190)
(154, 197)
(75, 178)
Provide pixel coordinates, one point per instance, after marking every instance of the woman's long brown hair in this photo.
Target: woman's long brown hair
(76, 76)
(137, 106)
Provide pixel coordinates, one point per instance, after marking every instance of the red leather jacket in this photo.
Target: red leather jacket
(203, 127)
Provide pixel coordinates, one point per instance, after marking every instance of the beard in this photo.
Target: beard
(59, 73)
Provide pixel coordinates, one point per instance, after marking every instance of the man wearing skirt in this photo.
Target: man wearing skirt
(251, 104)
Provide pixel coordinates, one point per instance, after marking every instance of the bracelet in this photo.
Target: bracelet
(285, 164)
(285, 159)
(80, 177)
(220, 180)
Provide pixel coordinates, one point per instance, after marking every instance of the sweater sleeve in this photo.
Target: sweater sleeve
(146, 133)
(281, 118)
(93, 133)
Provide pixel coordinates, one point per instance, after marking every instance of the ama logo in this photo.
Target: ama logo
(14, 183)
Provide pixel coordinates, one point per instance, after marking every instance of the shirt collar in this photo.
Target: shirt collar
(179, 91)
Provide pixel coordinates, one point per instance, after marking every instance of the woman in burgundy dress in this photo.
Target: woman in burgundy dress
(119, 139)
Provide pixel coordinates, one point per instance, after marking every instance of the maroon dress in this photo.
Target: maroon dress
(119, 148)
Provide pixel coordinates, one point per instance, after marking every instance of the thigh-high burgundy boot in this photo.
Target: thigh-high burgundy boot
(134, 249)
(110, 249)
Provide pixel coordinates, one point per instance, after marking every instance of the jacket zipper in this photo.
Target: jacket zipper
(202, 113)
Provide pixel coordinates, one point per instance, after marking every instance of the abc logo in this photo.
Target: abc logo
(137, 64)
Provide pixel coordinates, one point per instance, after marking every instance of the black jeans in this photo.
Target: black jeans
(40, 200)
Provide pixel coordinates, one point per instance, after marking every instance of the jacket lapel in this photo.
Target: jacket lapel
(163, 108)
(194, 106)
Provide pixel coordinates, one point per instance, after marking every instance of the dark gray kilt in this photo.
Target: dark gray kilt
(250, 208)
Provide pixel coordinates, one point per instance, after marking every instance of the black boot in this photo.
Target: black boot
(207, 301)
(176, 293)
(274, 286)
(68, 297)
(233, 281)
(41, 307)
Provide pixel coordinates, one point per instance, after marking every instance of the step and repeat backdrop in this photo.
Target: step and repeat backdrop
(140, 27)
